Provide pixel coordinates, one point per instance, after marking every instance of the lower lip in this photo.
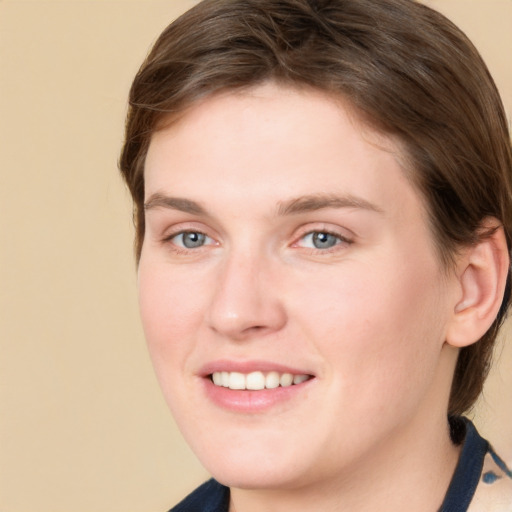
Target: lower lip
(249, 401)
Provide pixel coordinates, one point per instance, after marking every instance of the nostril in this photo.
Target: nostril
(244, 303)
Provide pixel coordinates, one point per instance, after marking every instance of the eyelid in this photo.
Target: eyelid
(174, 234)
(171, 230)
(183, 228)
(189, 232)
(344, 236)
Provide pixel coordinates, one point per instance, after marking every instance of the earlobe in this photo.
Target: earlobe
(483, 275)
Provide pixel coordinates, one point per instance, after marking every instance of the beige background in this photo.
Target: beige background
(82, 424)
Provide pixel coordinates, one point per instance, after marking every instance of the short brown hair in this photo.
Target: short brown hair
(405, 68)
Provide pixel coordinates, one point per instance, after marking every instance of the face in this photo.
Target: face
(293, 303)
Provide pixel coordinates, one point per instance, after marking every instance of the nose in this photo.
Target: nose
(246, 301)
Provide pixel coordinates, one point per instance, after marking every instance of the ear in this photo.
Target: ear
(482, 270)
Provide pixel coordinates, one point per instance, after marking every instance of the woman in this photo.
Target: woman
(322, 197)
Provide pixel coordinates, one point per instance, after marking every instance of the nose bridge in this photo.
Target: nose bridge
(246, 298)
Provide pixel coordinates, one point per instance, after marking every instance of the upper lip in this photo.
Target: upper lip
(225, 365)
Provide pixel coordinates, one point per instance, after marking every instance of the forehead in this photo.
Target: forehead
(243, 156)
(265, 126)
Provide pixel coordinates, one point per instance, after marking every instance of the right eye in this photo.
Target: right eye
(190, 239)
(321, 240)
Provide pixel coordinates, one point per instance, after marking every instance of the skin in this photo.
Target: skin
(368, 317)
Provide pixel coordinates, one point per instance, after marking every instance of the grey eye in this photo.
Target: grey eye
(321, 240)
(190, 240)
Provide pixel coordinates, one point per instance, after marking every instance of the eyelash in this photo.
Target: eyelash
(184, 250)
(341, 241)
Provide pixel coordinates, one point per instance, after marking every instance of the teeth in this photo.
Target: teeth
(298, 379)
(236, 380)
(256, 380)
(217, 378)
(272, 380)
(286, 380)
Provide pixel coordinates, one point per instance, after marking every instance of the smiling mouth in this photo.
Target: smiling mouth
(256, 381)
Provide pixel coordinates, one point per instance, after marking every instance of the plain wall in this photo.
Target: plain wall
(83, 427)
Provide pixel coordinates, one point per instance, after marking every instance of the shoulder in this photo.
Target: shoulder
(494, 490)
(208, 497)
(482, 481)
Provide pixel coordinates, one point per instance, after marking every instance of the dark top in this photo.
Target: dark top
(214, 497)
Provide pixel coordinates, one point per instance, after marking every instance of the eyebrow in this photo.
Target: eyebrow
(302, 204)
(158, 200)
(315, 202)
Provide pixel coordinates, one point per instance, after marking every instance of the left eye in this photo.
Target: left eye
(320, 240)
(191, 239)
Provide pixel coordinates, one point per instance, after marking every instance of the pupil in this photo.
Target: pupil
(324, 240)
(191, 240)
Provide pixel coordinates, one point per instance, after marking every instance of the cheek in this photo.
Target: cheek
(170, 311)
(381, 329)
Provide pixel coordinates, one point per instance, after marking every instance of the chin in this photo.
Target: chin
(253, 460)
(250, 475)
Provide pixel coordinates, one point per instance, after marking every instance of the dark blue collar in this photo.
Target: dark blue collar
(209, 497)
(469, 468)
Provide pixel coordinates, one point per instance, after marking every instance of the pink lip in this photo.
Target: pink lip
(225, 365)
(248, 401)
